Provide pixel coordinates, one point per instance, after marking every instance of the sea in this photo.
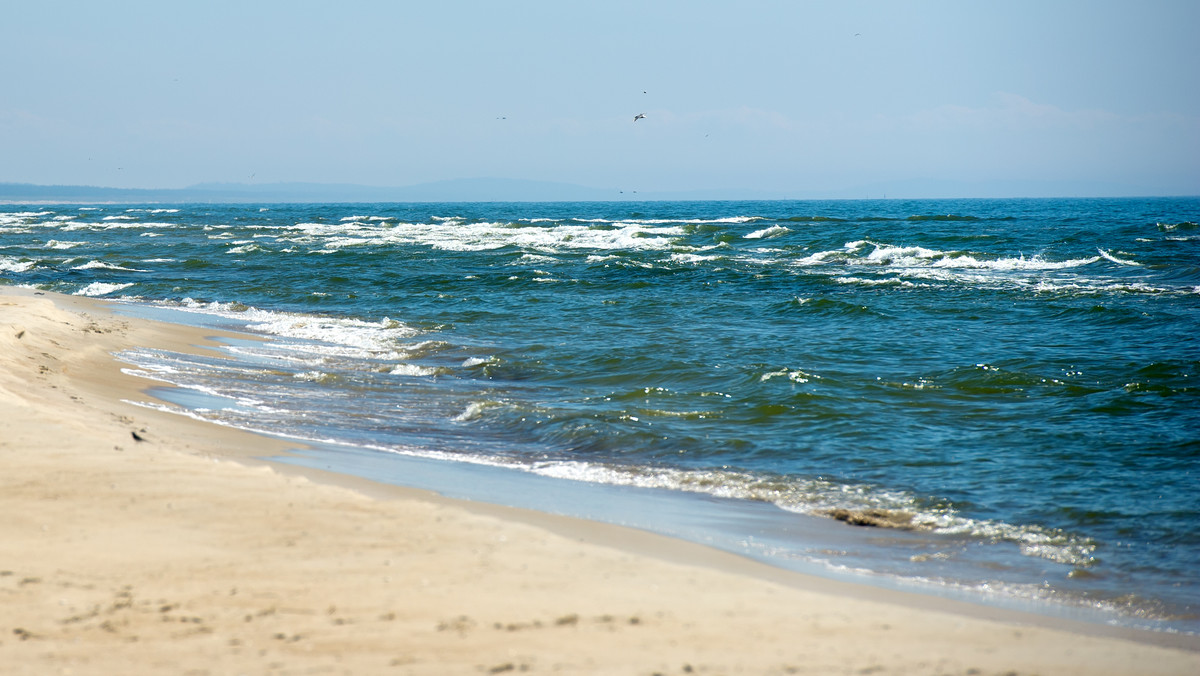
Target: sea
(995, 400)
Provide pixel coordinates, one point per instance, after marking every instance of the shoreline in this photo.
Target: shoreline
(186, 548)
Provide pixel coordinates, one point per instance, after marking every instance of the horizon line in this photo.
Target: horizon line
(294, 192)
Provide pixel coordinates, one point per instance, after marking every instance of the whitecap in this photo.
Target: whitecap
(413, 370)
(1119, 261)
(1019, 263)
(101, 289)
(14, 265)
(886, 281)
(311, 376)
(773, 231)
(454, 235)
(100, 265)
(889, 255)
(691, 259)
(245, 248)
(818, 258)
(55, 244)
(796, 376)
(335, 335)
(473, 411)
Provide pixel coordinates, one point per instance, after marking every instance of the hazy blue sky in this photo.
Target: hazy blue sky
(741, 94)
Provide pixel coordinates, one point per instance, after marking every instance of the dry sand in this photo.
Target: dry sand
(181, 554)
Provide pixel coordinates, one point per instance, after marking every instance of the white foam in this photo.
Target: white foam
(1119, 261)
(362, 338)
(909, 257)
(101, 289)
(690, 259)
(902, 264)
(818, 258)
(773, 231)
(473, 411)
(245, 248)
(886, 281)
(9, 264)
(311, 376)
(55, 244)
(453, 235)
(796, 376)
(1102, 286)
(731, 220)
(413, 370)
(1005, 264)
(101, 265)
(813, 496)
(126, 223)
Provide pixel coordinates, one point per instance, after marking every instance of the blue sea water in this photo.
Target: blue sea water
(1012, 383)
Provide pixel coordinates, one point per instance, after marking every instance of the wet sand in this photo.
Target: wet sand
(177, 551)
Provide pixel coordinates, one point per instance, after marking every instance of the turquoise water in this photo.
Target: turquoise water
(1014, 382)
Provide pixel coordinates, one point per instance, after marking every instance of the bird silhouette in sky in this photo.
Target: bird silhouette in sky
(638, 116)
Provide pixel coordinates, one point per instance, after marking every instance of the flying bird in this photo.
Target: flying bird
(638, 116)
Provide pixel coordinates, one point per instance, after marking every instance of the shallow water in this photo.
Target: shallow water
(1014, 380)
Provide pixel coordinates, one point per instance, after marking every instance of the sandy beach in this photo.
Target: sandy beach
(141, 542)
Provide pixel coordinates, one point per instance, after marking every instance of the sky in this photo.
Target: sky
(743, 95)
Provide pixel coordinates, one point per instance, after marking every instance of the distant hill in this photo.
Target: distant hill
(25, 192)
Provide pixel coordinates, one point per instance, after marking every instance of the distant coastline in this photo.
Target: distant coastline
(467, 190)
(517, 190)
